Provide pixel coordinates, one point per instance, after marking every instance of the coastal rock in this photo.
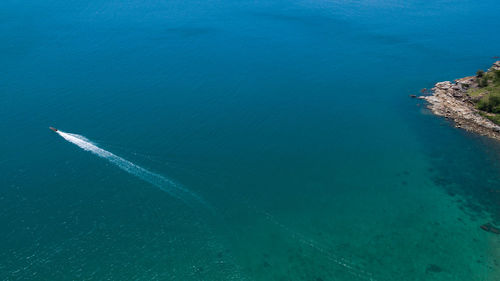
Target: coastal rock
(457, 94)
(443, 85)
(451, 100)
(495, 66)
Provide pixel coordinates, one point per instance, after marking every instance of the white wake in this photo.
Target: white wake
(167, 185)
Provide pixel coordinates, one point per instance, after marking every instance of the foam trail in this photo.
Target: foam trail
(157, 180)
(349, 266)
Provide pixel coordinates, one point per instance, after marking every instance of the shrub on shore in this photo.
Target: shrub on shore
(496, 76)
(490, 103)
(482, 82)
(489, 92)
(486, 95)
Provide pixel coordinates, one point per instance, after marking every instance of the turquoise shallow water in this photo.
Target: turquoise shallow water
(290, 119)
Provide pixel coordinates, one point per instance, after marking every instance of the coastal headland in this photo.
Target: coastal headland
(473, 102)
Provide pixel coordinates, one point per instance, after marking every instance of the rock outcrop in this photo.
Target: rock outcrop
(451, 100)
(490, 228)
(496, 66)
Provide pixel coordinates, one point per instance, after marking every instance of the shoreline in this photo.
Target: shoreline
(452, 100)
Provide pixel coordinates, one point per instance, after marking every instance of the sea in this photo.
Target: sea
(243, 140)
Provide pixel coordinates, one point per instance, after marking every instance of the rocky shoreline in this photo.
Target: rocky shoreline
(451, 100)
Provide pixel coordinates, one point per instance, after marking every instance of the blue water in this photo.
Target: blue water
(289, 122)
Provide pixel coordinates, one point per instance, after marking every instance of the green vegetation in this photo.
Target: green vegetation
(489, 92)
(490, 103)
(482, 82)
(493, 117)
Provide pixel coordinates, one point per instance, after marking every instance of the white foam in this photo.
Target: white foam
(352, 268)
(165, 184)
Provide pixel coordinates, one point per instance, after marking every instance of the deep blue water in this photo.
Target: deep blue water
(291, 119)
